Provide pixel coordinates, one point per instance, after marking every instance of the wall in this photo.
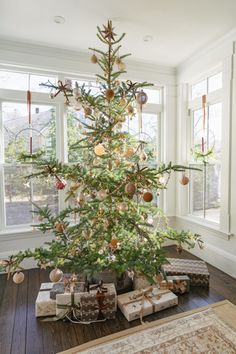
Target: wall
(28, 56)
(220, 243)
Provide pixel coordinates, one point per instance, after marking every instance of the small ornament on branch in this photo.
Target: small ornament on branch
(109, 93)
(130, 189)
(18, 277)
(60, 183)
(94, 59)
(147, 197)
(55, 275)
(99, 150)
(59, 227)
(87, 111)
(184, 180)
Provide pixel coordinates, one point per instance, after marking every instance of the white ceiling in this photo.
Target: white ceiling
(178, 27)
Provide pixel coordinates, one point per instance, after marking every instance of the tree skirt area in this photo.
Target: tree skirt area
(207, 330)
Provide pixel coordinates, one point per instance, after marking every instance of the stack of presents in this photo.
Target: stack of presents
(78, 301)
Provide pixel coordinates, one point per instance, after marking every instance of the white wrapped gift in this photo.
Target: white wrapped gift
(44, 306)
(134, 305)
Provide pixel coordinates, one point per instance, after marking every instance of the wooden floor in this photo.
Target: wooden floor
(21, 332)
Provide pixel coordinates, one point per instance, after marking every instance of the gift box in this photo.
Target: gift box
(196, 270)
(61, 288)
(137, 304)
(166, 284)
(140, 282)
(44, 305)
(181, 283)
(98, 304)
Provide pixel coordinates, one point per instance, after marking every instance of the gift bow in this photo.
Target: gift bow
(180, 285)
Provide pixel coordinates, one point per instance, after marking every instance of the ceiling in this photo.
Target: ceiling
(179, 27)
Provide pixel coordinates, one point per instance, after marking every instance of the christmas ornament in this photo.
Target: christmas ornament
(59, 227)
(179, 248)
(94, 59)
(87, 111)
(130, 109)
(184, 180)
(121, 119)
(143, 156)
(18, 277)
(121, 65)
(141, 98)
(130, 188)
(99, 150)
(122, 206)
(102, 194)
(55, 275)
(130, 152)
(118, 61)
(162, 180)
(147, 197)
(114, 243)
(109, 93)
(122, 102)
(60, 183)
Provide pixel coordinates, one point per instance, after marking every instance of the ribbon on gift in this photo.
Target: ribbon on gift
(100, 287)
(180, 286)
(145, 294)
(166, 284)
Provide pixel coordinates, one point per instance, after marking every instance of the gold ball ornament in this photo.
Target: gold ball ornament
(147, 197)
(121, 119)
(184, 180)
(141, 97)
(18, 277)
(87, 111)
(59, 227)
(109, 93)
(122, 102)
(99, 150)
(55, 275)
(130, 109)
(94, 59)
(130, 152)
(130, 188)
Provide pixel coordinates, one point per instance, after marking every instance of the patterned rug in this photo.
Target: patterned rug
(203, 332)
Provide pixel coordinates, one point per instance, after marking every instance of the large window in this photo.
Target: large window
(206, 143)
(53, 124)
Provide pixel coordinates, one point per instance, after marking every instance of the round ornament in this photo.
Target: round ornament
(94, 59)
(18, 277)
(99, 150)
(130, 109)
(184, 180)
(102, 194)
(60, 183)
(121, 119)
(130, 188)
(143, 156)
(122, 102)
(121, 66)
(114, 243)
(87, 111)
(59, 227)
(122, 206)
(141, 97)
(147, 197)
(130, 152)
(109, 93)
(55, 275)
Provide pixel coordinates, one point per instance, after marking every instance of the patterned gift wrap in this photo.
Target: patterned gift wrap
(44, 306)
(181, 283)
(98, 304)
(166, 285)
(60, 288)
(196, 270)
(137, 304)
(140, 282)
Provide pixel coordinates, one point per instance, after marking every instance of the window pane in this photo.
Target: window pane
(36, 80)
(89, 85)
(199, 89)
(17, 132)
(74, 127)
(212, 198)
(14, 81)
(215, 128)
(215, 82)
(20, 193)
(154, 96)
(196, 191)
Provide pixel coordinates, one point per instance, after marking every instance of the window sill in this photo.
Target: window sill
(205, 226)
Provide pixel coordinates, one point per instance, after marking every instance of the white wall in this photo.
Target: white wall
(15, 54)
(220, 245)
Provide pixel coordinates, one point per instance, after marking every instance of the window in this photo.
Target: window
(206, 136)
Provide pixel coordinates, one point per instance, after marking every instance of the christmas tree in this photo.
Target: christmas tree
(108, 223)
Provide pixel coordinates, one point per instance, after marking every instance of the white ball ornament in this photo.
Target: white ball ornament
(102, 194)
(99, 150)
(55, 275)
(18, 277)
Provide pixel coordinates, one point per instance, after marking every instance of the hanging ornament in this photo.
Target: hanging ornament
(18, 277)
(122, 102)
(99, 150)
(60, 183)
(130, 189)
(121, 119)
(122, 206)
(141, 98)
(94, 59)
(55, 275)
(102, 194)
(130, 152)
(109, 93)
(147, 197)
(143, 156)
(184, 180)
(76, 90)
(59, 227)
(130, 109)
(114, 243)
(121, 65)
(87, 111)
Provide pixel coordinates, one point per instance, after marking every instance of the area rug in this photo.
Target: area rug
(201, 332)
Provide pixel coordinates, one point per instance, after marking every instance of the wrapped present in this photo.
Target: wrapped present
(137, 304)
(61, 288)
(166, 284)
(196, 270)
(44, 305)
(98, 304)
(140, 282)
(181, 283)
